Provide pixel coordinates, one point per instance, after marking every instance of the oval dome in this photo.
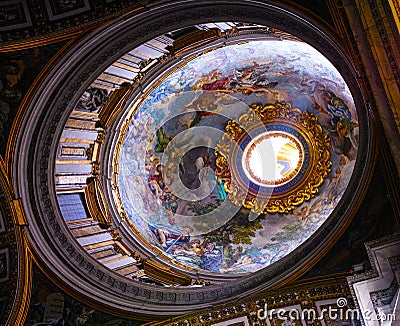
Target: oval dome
(170, 183)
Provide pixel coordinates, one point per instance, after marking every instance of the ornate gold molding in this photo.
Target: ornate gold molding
(165, 274)
(115, 104)
(24, 279)
(395, 7)
(96, 202)
(19, 213)
(193, 40)
(21, 307)
(115, 235)
(95, 168)
(258, 116)
(306, 295)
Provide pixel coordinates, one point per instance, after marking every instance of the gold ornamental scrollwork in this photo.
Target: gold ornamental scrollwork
(313, 174)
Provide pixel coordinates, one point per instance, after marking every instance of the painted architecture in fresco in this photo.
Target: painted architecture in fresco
(167, 181)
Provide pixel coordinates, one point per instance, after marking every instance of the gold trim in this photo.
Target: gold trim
(99, 245)
(164, 274)
(190, 42)
(78, 222)
(115, 104)
(84, 114)
(83, 161)
(303, 295)
(78, 295)
(117, 247)
(69, 190)
(259, 116)
(115, 235)
(95, 168)
(395, 8)
(40, 41)
(76, 32)
(19, 213)
(97, 203)
(21, 308)
(105, 262)
(23, 291)
(76, 140)
(101, 136)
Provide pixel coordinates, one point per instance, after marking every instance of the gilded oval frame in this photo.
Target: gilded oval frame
(258, 116)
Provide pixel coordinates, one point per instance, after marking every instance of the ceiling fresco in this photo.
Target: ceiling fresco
(167, 180)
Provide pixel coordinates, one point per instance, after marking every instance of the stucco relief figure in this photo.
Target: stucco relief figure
(92, 99)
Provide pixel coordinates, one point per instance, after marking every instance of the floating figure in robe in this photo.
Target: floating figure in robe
(211, 257)
(170, 235)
